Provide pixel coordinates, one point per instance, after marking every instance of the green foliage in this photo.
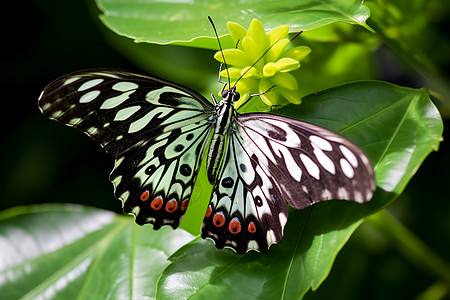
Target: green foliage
(67, 251)
(392, 124)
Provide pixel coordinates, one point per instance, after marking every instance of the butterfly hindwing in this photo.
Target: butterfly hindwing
(157, 131)
(272, 159)
(164, 172)
(246, 210)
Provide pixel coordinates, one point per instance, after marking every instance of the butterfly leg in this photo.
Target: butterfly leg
(219, 80)
(214, 99)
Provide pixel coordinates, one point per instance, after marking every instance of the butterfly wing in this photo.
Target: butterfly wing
(157, 130)
(246, 210)
(272, 159)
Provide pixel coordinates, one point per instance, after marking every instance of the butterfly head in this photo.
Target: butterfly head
(231, 95)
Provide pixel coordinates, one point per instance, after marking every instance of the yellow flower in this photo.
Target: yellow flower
(261, 61)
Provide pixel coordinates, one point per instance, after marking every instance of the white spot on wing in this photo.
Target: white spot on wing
(117, 180)
(91, 130)
(150, 220)
(124, 198)
(324, 160)
(90, 84)
(252, 245)
(283, 219)
(270, 237)
(310, 166)
(321, 143)
(136, 210)
(358, 197)
(46, 106)
(349, 155)
(342, 193)
(89, 96)
(116, 101)
(125, 86)
(71, 80)
(326, 194)
(74, 121)
(118, 161)
(125, 113)
(365, 160)
(346, 168)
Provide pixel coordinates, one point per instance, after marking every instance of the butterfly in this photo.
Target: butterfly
(159, 131)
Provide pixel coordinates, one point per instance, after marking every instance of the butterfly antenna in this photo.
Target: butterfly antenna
(265, 52)
(296, 35)
(221, 50)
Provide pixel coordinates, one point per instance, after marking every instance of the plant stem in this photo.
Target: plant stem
(413, 248)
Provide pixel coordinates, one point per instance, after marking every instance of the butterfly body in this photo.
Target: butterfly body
(226, 116)
(159, 132)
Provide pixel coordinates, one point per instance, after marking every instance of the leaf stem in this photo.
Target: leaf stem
(413, 248)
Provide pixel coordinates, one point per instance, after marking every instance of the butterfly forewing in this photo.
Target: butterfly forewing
(311, 163)
(157, 130)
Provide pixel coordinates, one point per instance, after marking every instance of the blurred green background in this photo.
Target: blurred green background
(45, 162)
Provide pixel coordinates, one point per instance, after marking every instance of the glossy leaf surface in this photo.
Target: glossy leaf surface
(66, 251)
(185, 22)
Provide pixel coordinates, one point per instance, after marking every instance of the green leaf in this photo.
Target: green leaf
(186, 23)
(397, 127)
(151, 39)
(68, 252)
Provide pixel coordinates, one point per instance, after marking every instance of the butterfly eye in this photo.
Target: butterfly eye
(224, 93)
(237, 96)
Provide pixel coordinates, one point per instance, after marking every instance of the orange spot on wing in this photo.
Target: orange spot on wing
(171, 206)
(251, 227)
(157, 203)
(219, 219)
(234, 226)
(208, 211)
(145, 195)
(184, 204)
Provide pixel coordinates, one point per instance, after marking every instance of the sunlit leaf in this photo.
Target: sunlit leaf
(185, 22)
(67, 252)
